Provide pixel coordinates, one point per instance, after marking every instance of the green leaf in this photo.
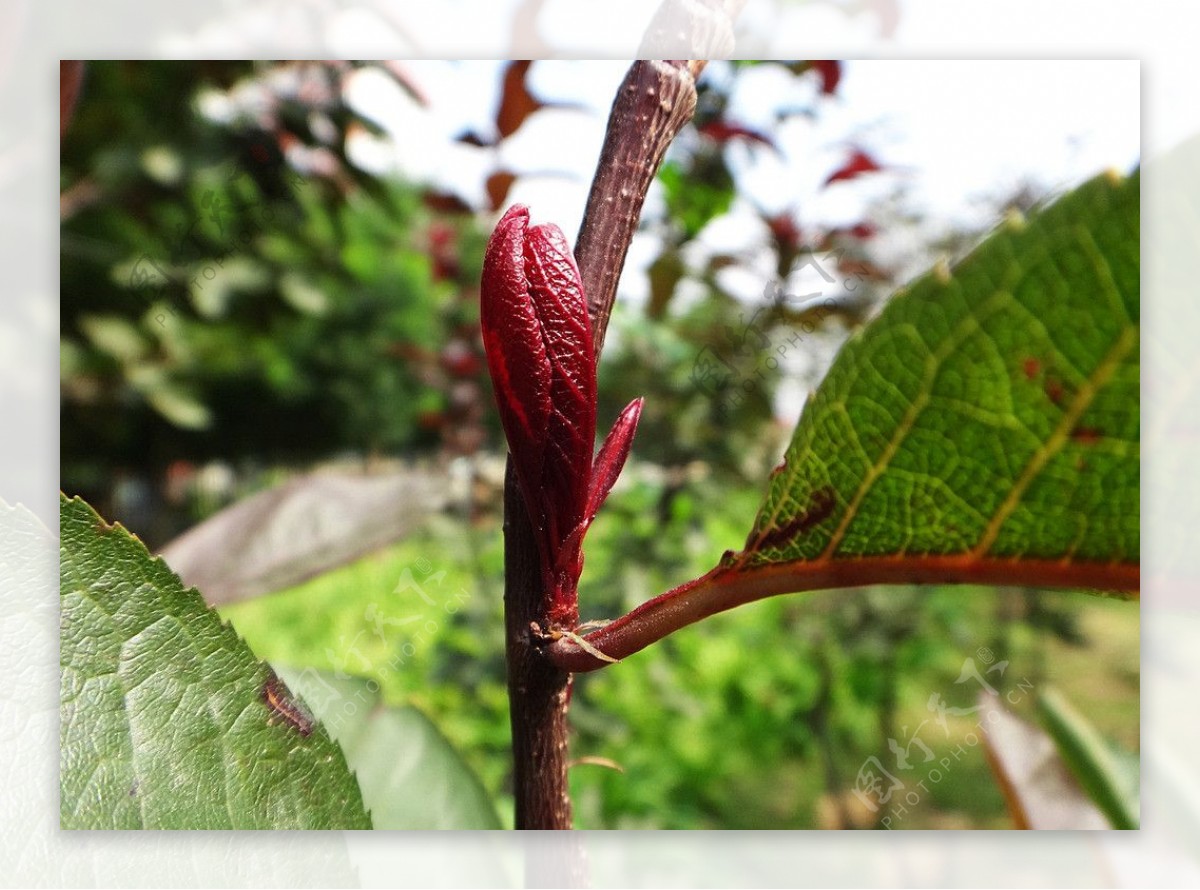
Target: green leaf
(115, 336)
(1109, 776)
(989, 414)
(165, 718)
(984, 428)
(412, 778)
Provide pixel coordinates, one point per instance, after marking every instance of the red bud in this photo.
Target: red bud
(538, 340)
(612, 456)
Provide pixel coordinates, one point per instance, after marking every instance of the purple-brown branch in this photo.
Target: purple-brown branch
(653, 104)
(655, 101)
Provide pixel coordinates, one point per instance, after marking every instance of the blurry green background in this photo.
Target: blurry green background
(242, 302)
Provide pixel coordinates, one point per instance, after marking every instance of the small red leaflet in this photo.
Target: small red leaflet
(856, 165)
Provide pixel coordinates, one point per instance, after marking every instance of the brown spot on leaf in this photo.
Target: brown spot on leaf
(1031, 366)
(284, 707)
(820, 506)
(1086, 435)
(1054, 390)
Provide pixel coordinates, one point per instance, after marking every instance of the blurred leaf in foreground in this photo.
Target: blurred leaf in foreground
(167, 718)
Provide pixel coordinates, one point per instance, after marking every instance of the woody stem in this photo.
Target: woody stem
(652, 105)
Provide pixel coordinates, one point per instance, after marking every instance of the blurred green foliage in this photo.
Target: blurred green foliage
(688, 418)
(756, 718)
(218, 304)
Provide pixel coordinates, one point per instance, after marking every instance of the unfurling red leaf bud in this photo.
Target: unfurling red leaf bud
(538, 341)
